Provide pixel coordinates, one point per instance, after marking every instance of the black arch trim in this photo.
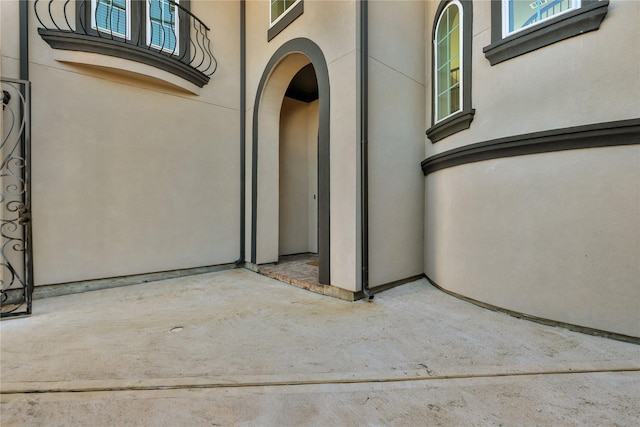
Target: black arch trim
(314, 53)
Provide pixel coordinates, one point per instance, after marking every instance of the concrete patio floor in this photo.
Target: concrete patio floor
(238, 348)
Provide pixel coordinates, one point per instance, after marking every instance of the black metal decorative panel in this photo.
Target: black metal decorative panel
(16, 273)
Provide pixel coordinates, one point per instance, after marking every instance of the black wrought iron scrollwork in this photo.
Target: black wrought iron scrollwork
(181, 41)
(16, 284)
(6, 97)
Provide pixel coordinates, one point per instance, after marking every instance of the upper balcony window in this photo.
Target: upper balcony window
(281, 14)
(161, 25)
(522, 26)
(520, 14)
(112, 16)
(164, 34)
(157, 22)
(279, 7)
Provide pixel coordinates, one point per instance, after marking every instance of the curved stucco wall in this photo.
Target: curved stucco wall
(554, 235)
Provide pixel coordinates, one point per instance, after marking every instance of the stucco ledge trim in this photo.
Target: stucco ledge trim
(454, 124)
(607, 134)
(124, 59)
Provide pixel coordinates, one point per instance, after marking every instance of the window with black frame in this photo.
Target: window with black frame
(164, 34)
(451, 69)
(281, 14)
(155, 24)
(522, 26)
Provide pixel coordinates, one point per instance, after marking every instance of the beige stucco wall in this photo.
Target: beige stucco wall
(131, 175)
(552, 235)
(557, 86)
(396, 140)
(9, 39)
(396, 130)
(332, 26)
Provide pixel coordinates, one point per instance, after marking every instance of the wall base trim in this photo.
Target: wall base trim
(541, 320)
(386, 286)
(68, 288)
(328, 290)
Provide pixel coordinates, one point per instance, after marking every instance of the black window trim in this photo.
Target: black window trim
(462, 119)
(138, 19)
(287, 17)
(586, 18)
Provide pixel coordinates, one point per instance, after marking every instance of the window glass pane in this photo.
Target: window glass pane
(522, 13)
(447, 62)
(111, 16)
(163, 25)
(454, 44)
(166, 7)
(454, 18)
(442, 28)
(279, 7)
(442, 55)
(454, 97)
(454, 71)
(443, 79)
(154, 9)
(162, 36)
(157, 34)
(443, 105)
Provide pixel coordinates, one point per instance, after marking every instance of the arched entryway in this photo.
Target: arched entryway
(290, 59)
(298, 166)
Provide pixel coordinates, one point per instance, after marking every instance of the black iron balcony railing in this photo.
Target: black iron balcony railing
(160, 33)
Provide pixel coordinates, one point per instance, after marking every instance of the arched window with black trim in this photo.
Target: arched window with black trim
(447, 47)
(451, 69)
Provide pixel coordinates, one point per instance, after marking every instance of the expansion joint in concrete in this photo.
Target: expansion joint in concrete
(310, 382)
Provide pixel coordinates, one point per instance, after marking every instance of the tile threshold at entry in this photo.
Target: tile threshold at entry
(299, 270)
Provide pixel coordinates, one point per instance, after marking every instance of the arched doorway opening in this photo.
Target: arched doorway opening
(271, 108)
(298, 166)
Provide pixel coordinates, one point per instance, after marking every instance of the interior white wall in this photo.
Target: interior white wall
(298, 173)
(312, 170)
